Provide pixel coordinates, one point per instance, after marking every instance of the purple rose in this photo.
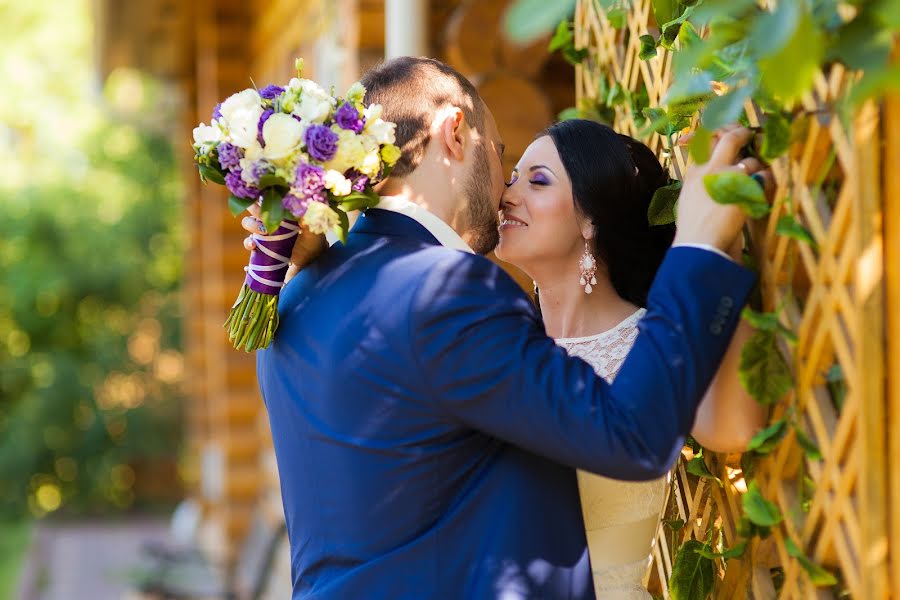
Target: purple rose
(230, 156)
(239, 187)
(309, 182)
(262, 121)
(347, 117)
(217, 111)
(271, 91)
(295, 205)
(321, 142)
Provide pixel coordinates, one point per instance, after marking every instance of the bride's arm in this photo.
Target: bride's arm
(728, 417)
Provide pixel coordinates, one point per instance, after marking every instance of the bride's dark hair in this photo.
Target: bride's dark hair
(613, 179)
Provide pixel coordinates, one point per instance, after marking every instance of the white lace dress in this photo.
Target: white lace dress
(620, 517)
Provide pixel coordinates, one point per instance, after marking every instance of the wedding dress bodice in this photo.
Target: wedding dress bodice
(620, 517)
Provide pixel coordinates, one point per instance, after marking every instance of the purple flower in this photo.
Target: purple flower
(359, 180)
(347, 117)
(239, 187)
(262, 121)
(271, 91)
(295, 205)
(230, 155)
(321, 142)
(217, 111)
(309, 182)
(261, 168)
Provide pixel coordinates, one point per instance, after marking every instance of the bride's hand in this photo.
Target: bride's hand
(309, 246)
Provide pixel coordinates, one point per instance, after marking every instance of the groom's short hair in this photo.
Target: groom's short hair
(412, 90)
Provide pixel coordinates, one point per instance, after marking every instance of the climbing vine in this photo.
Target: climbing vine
(726, 55)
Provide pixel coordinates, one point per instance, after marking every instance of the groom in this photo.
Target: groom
(425, 426)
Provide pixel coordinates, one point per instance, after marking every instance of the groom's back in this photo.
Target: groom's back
(385, 496)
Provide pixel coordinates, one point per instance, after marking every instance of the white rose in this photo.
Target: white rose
(243, 126)
(282, 134)
(337, 183)
(320, 218)
(245, 100)
(350, 151)
(373, 111)
(356, 93)
(205, 134)
(314, 104)
(382, 131)
(247, 166)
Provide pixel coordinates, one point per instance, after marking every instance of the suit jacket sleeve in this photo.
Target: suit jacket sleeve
(485, 361)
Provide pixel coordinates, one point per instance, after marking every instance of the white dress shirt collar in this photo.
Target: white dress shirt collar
(441, 231)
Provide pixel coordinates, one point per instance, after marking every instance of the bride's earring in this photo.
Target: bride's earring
(588, 269)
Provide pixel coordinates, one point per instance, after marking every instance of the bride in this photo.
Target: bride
(574, 218)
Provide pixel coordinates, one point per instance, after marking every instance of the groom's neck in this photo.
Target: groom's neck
(437, 201)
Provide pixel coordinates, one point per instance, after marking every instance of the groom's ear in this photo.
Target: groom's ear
(452, 132)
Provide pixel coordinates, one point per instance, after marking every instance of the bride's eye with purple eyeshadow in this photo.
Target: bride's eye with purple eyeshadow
(539, 179)
(513, 177)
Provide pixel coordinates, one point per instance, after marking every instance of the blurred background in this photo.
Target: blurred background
(132, 435)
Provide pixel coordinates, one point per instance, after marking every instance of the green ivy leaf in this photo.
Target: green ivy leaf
(527, 20)
(562, 37)
(238, 205)
(208, 173)
(700, 144)
(725, 109)
(759, 510)
(273, 213)
(665, 10)
(776, 137)
(674, 524)
(697, 466)
(732, 187)
(837, 385)
(648, 47)
(762, 370)
(862, 44)
(810, 448)
(692, 574)
(657, 119)
(735, 551)
(617, 17)
(617, 95)
(767, 321)
(817, 575)
(789, 227)
(804, 52)
(664, 204)
(766, 440)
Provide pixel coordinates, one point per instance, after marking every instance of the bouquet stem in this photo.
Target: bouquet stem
(253, 319)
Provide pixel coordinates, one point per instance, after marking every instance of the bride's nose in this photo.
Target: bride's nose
(510, 197)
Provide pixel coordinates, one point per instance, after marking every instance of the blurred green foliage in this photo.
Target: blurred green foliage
(90, 268)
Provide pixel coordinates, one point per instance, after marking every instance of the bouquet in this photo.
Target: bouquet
(307, 157)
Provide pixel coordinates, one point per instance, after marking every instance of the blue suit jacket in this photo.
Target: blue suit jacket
(426, 428)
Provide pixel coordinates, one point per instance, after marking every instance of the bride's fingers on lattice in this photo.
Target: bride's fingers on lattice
(726, 150)
(749, 166)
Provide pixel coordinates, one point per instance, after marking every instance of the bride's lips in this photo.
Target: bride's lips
(511, 222)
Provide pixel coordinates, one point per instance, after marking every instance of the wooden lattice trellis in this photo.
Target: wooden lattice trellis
(832, 296)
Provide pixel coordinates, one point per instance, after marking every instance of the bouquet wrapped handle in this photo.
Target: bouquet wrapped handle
(253, 319)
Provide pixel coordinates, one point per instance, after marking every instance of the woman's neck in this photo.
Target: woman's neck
(569, 312)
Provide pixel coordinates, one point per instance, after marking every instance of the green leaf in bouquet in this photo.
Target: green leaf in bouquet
(817, 575)
(273, 213)
(340, 230)
(664, 204)
(732, 187)
(697, 466)
(810, 448)
(238, 205)
(789, 227)
(765, 440)
(648, 47)
(271, 180)
(208, 173)
(359, 200)
(692, 573)
(760, 511)
(763, 371)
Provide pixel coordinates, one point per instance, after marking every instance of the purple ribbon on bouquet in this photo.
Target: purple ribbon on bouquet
(270, 260)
